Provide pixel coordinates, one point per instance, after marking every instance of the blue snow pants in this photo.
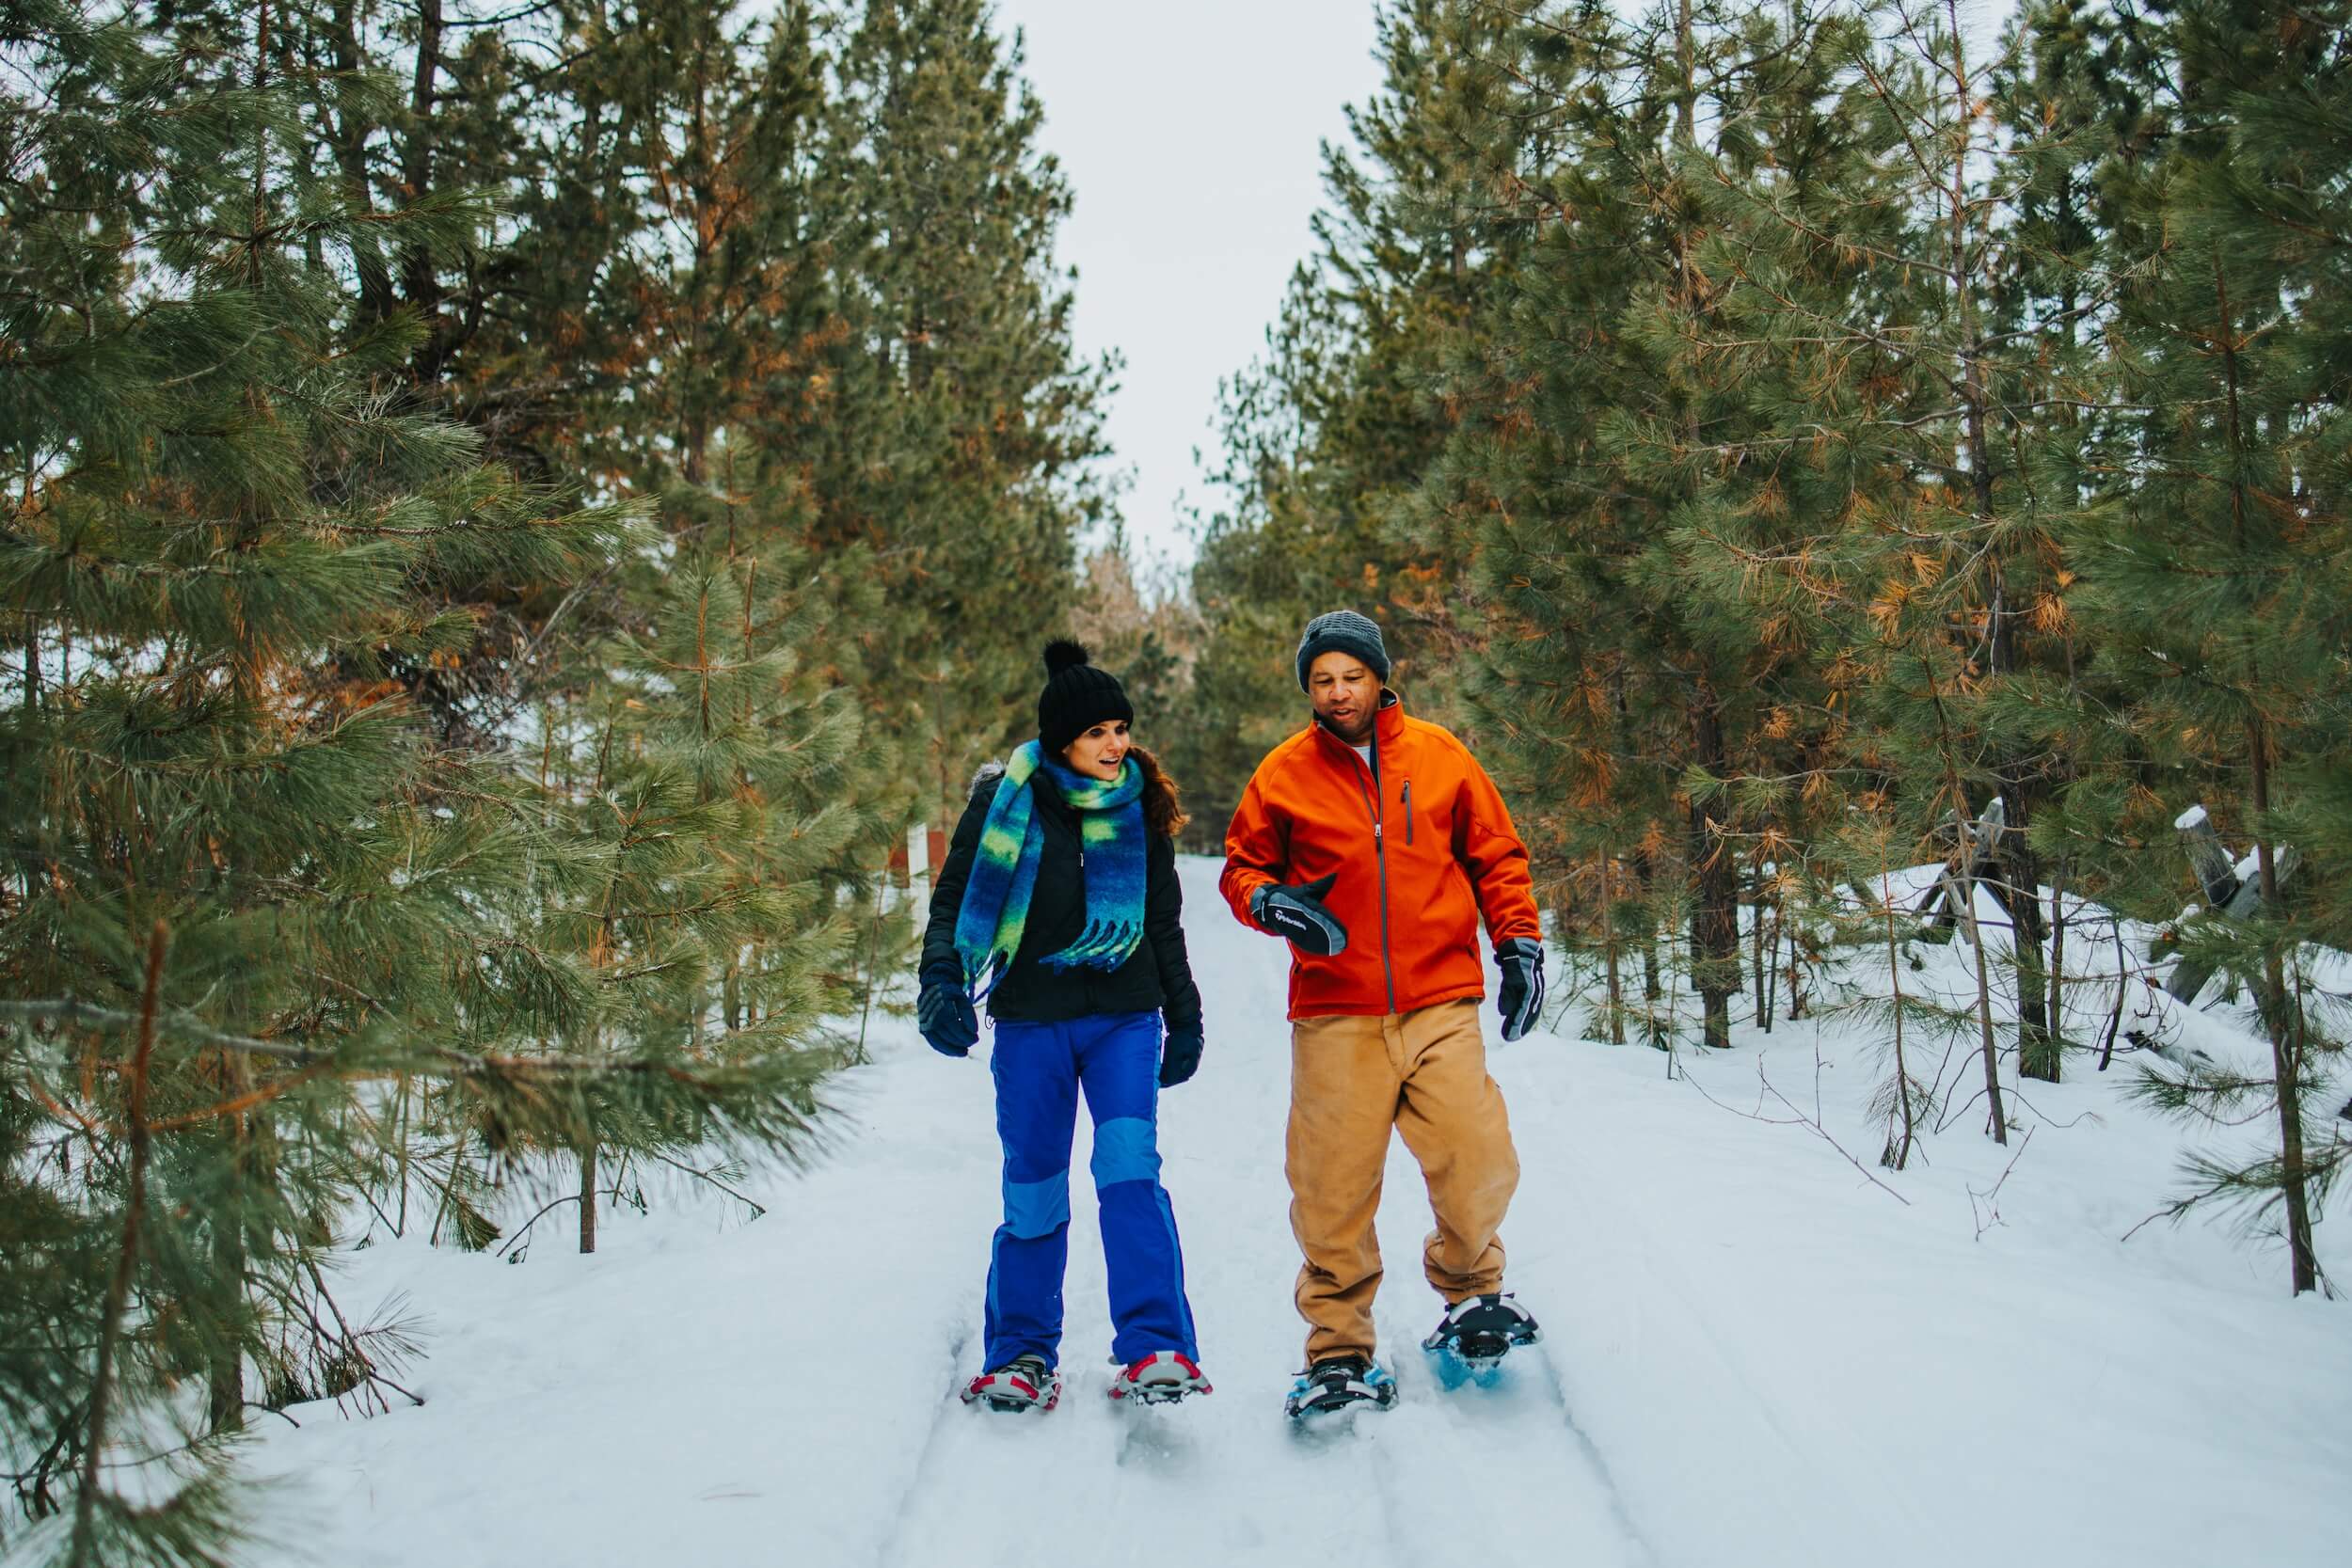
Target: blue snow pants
(1040, 1068)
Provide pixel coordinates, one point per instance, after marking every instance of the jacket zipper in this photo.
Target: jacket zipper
(1380, 854)
(1409, 811)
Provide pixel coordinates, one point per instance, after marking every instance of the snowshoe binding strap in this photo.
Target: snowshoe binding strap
(1483, 1329)
(1161, 1378)
(1338, 1383)
(1025, 1383)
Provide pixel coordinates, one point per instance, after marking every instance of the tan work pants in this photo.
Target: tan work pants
(1425, 1073)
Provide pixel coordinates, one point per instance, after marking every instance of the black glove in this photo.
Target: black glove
(1523, 962)
(944, 1014)
(1180, 1058)
(1298, 912)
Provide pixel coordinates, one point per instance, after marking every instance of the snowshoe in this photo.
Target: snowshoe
(1025, 1383)
(1338, 1383)
(1161, 1378)
(1476, 1333)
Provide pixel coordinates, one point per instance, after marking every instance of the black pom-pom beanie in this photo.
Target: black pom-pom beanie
(1078, 697)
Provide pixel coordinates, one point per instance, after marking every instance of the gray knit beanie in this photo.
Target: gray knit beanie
(1343, 631)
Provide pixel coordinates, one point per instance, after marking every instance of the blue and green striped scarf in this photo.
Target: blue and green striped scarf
(1004, 869)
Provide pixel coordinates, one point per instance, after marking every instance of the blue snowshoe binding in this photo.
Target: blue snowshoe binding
(1474, 1336)
(1339, 1383)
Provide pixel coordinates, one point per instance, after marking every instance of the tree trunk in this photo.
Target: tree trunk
(348, 135)
(1755, 906)
(1647, 876)
(83, 1546)
(2058, 954)
(225, 1378)
(1715, 912)
(2019, 867)
(2283, 1020)
(2286, 1038)
(1964, 900)
(1686, 62)
(1898, 1152)
(1609, 954)
(420, 275)
(2038, 1047)
(400, 1141)
(1991, 1050)
(588, 1195)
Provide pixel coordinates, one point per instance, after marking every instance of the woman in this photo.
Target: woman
(1060, 903)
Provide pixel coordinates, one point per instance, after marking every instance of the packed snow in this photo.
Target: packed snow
(1754, 1353)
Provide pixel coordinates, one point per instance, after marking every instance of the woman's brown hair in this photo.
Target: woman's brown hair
(1163, 803)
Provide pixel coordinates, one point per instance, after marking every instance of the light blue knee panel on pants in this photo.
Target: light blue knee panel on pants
(1037, 1207)
(1125, 1149)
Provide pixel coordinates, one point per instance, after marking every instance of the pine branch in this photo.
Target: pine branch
(187, 1026)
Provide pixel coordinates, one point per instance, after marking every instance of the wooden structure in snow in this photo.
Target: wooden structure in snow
(2230, 888)
(1950, 904)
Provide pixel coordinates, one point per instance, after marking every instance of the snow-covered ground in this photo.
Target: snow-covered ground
(1753, 1356)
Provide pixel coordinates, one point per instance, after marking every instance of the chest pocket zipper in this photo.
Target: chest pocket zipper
(1409, 811)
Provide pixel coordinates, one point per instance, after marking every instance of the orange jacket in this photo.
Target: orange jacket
(1422, 846)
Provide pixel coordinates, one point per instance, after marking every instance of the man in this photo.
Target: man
(1375, 843)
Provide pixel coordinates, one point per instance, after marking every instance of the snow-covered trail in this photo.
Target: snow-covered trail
(1497, 1477)
(1752, 1356)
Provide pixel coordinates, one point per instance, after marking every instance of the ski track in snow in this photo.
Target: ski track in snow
(1453, 1455)
(1750, 1360)
(1619, 1512)
(934, 1459)
(1491, 1477)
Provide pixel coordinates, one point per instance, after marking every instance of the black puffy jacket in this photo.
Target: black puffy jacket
(1157, 974)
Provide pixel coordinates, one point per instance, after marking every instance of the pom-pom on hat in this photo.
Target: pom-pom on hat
(1078, 697)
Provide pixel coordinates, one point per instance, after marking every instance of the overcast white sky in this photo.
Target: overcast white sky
(1189, 135)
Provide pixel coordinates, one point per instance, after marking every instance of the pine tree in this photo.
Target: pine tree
(1519, 483)
(1603, 477)
(2063, 107)
(1849, 431)
(2212, 556)
(656, 279)
(959, 425)
(709, 782)
(1930, 358)
(1327, 436)
(246, 886)
(418, 105)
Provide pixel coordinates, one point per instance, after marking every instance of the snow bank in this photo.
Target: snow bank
(1753, 1356)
